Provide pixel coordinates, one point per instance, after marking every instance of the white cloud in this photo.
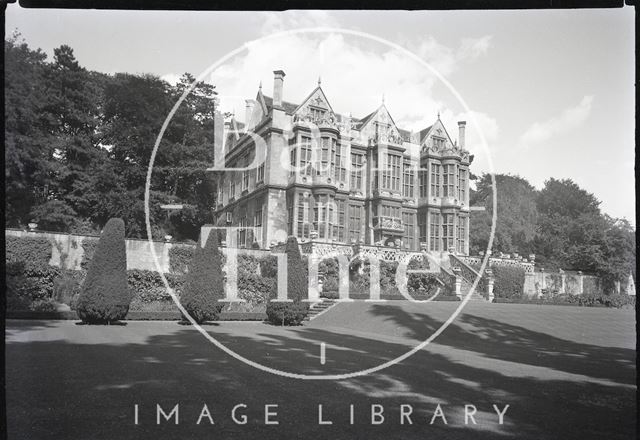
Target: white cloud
(568, 120)
(280, 21)
(355, 72)
(171, 78)
(472, 48)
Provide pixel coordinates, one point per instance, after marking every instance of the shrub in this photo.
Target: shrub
(205, 283)
(614, 300)
(68, 286)
(30, 281)
(153, 306)
(330, 285)
(105, 297)
(423, 283)
(285, 313)
(147, 286)
(255, 289)
(291, 313)
(33, 251)
(418, 263)
(509, 281)
(269, 266)
(43, 305)
(88, 250)
(247, 265)
(180, 257)
(16, 302)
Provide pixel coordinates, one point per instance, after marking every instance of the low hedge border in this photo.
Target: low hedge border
(132, 316)
(611, 301)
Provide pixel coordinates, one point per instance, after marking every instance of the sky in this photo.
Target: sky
(551, 91)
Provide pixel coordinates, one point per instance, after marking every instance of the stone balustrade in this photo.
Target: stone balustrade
(496, 261)
(389, 223)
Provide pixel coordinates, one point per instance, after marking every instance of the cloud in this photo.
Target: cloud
(280, 21)
(355, 72)
(171, 78)
(568, 120)
(472, 48)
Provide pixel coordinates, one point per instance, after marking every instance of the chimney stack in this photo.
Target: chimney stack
(461, 135)
(278, 80)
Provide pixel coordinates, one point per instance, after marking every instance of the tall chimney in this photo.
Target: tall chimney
(278, 80)
(461, 136)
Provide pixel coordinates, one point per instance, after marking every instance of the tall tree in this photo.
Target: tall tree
(516, 214)
(29, 161)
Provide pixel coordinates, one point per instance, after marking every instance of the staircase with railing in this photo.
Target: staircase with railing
(468, 276)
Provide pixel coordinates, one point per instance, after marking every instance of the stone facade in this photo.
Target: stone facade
(304, 170)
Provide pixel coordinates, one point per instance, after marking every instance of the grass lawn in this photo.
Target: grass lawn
(566, 372)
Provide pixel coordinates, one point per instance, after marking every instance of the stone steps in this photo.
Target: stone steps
(464, 289)
(318, 308)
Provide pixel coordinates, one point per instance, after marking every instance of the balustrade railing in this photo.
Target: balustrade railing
(496, 261)
(386, 222)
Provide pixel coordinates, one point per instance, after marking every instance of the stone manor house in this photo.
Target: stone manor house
(305, 170)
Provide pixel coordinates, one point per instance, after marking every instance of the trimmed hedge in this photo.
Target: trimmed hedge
(509, 281)
(291, 313)
(30, 281)
(269, 266)
(105, 297)
(32, 251)
(287, 313)
(180, 257)
(614, 301)
(89, 246)
(205, 282)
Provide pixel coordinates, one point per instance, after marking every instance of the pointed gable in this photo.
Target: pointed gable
(436, 139)
(316, 101)
(380, 122)
(263, 103)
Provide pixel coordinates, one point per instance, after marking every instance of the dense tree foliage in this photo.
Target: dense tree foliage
(78, 144)
(561, 223)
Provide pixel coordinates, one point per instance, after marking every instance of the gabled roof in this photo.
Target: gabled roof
(318, 90)
(371, 116)
(266, 102)
(289, 107)
(422, 134)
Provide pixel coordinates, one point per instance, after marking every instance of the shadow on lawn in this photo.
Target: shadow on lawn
(86, 391)
(499, 340)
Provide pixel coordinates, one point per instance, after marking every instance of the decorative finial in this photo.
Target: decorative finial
(319, 81)
(383, 98)
(438, 114)
(260, 85)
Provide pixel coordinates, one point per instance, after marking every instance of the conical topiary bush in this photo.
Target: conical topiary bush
(294, 312)
(105, 297)
(205, 283)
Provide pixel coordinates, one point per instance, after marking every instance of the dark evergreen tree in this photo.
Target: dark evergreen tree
(204, 286)
(294, 312)
(105, 297)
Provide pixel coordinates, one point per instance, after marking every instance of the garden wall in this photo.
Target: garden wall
(68, 247)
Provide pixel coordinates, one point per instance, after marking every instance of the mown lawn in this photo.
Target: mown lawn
(566, 372)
